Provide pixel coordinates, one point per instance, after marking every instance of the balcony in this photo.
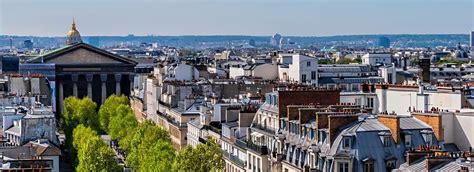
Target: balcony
(234, 159)
(241, 143)
(262, 150)
(264, 128)
(170, 119)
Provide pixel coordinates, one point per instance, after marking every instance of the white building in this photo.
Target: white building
(401, 99)
(183, 72)
(301, 69)
(264, 71)
(376, 59)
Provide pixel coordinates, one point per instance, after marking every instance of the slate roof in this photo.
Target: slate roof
(410, 123)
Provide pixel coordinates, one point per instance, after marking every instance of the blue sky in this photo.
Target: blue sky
(236, 17)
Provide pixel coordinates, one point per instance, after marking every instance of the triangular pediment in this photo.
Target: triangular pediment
(82, 54)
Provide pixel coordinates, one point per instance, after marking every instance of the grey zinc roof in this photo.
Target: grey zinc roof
(452, 166)
(15, 130)
(407, 123)
(419, 165)
(372, 125)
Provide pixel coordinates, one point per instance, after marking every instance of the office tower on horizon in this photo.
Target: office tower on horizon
(471, 40)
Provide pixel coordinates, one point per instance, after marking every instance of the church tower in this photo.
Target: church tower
(73, 36)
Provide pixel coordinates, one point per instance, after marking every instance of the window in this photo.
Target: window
(343, 166)
(370, 102)
(346, 143)
(303, 78)
(369, 167)
(313, 75)
(428, 139)
(308, 63)
(407, 140)
(386, 141)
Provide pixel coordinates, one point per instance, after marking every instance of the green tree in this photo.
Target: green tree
(108, 109)
(346, 61)
(81, 134)
(77, 111)
(325, 61)
(158, 157)
(205, 157)
(95, 155)
(143, 137)
(92, 152)
(123, 118)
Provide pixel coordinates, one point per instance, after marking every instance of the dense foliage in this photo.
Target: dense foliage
(205, 157)
(109, 108)
(75, 112)
(147, 146)
(93, 153)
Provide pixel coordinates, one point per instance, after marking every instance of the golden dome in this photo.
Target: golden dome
(73, 36)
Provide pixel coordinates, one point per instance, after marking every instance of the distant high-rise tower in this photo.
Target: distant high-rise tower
(73, 36)
(28, 44)
(276, 40)
(471, 40)
(383, 42)
(252, 42)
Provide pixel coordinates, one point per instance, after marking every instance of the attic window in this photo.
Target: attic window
(408, 140)
(386, 141)
(346, 142)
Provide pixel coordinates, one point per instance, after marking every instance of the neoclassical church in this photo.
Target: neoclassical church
(79, 69)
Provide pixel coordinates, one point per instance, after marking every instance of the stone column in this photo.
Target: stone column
(131, 78)
(74, 78)
(103, 79)
(89, 78)
(118, 78)
(60, 96)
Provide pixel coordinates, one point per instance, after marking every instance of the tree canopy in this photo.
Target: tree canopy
(75, 112)
(205, 157)
(92, 152)
(109, 108)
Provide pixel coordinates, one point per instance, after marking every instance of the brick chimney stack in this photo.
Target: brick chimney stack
(338, 120)
(434, 120)
(391, 121)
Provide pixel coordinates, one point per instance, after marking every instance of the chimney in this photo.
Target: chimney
(321, 122)
(337, 121)
(307, 114)
(293, 112)
(413, 156)
(383, 97)
(433, 120)
(393, 123)
(437, 158)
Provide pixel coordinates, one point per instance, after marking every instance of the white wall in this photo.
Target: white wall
(463, 130)
(299, 67)
(374, 58)
(235, 72)
(185, 72)
(399, 100)
(266, 71)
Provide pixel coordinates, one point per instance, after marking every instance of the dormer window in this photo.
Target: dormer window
(386, 141)
(428, 136)
(346, 142)
(428, 139)
(408, 140)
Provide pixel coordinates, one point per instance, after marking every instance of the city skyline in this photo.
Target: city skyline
(211, 17)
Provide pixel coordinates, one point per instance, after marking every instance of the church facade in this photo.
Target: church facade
(82, 70)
